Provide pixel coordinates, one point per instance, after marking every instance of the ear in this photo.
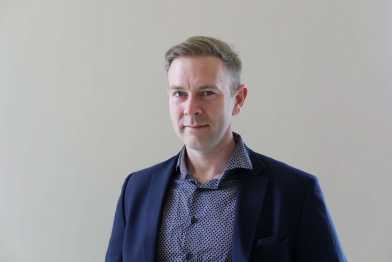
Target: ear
(239, 98)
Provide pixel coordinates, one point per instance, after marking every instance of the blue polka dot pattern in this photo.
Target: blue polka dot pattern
(198, 219)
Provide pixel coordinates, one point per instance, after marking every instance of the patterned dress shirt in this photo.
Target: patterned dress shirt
(198, 219)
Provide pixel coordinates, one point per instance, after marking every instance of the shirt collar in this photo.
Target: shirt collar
(239, 159)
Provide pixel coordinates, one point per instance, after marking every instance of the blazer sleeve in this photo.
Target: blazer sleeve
(114, 251)
(317, 239)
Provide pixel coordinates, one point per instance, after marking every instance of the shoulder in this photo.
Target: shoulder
(282, 173)
(288, 185)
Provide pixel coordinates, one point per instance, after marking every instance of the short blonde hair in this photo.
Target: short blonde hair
(208, 46)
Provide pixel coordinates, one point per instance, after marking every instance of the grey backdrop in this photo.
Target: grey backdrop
(83, 103)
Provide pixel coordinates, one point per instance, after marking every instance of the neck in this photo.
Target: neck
(206, 165)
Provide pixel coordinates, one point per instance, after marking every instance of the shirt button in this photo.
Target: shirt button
(189, 256)
(193, 220)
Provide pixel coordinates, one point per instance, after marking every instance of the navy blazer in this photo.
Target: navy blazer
(281, 215)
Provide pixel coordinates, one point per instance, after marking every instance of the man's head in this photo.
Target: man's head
(204, 92)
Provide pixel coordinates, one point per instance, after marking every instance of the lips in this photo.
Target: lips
(197, 126)
(192, 123)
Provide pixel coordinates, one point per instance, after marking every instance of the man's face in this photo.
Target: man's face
(201, 106)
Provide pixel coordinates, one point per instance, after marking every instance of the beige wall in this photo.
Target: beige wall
(82, 104)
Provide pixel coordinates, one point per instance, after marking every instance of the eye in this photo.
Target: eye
(207, 93)
(179, 94)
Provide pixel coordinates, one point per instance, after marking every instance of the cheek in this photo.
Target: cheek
(224, 114)
(219, 110)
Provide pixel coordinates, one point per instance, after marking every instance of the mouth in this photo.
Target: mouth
(197, 126)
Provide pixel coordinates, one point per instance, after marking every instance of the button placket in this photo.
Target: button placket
(193, 190)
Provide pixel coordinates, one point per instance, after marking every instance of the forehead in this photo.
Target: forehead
(196, 70)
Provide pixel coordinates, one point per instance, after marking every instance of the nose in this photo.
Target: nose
(192, 106)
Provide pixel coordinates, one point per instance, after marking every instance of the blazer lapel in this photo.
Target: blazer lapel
(252, 190)
(156, 198)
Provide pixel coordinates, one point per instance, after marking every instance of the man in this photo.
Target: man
(217, 200)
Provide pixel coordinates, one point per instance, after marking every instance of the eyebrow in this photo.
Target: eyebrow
(176, 87)
(207, 87)
(203, 87)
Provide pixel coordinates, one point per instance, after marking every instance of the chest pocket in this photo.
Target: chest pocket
(271, 249)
